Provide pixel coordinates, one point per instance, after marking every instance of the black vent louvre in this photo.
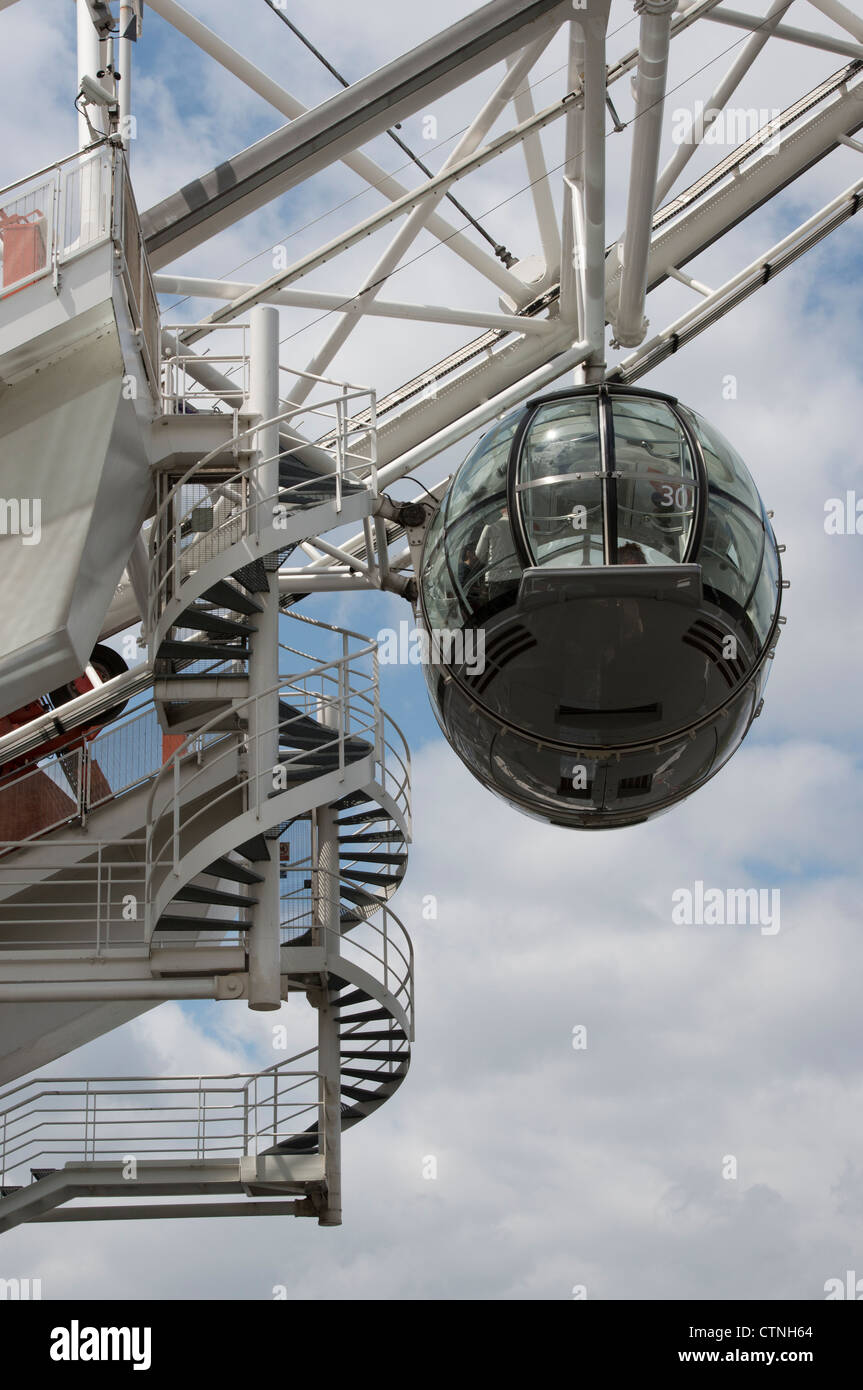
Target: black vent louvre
(502, 648)
(708, 639)
(566, 788)
(635, 786)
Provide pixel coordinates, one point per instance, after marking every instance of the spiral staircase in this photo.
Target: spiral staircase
(273, 834)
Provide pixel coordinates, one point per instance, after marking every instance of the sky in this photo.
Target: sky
(561, 1171)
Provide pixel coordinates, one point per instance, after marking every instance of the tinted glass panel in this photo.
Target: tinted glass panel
(762, 605)
(656, 484)
(731, 552)
(483, 473)
(441, 602)
(563, 438)
(563, 521)
(482, 554)
(725, 467)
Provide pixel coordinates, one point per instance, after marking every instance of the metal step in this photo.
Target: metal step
(371, 837)
(377, 1056)
(366, 876)
(37, 1173)
(358, 898)
(374, 858)
(226, 595)
(364, 817)
(373, 1075)
(356, 996)
(229, 868)
(357, 1093)
(174, 649)
(203, 676)
(352, 799)
(171, 921)
(253, 577)
(213, 897)
(255, 849)
(202, 620)
(368, 1016)
(397, 1034)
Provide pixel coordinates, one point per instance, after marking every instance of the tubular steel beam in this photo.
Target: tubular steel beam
(431, 190)
(347, 120)
(737, 20)
(359, 163)
(653, 45)
(418, 218)
(717, 101)
(196, 288)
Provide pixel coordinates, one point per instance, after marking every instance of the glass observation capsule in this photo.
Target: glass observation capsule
(601, 585)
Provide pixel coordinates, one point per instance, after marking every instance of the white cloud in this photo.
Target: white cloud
(559, 1167)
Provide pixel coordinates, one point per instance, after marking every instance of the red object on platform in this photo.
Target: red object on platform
(170, 744)
(23, 239)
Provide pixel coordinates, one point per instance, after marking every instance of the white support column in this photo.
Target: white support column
(328, 911)
(88, 65)
(329, 1064)
(717, 101)
(125, 45)
(591, 251)
(264, 937)
(571, 304)
(653, 44)
(419, 217)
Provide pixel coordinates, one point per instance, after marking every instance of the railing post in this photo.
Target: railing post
(198, 1148)
(343, 714)
(99, 898)
(340, 450)
(55, 232)
(376, 696)
(328, 914)
(175, 569)
(373, 442)
(329, 1105)
(265, 933)
(175, 818)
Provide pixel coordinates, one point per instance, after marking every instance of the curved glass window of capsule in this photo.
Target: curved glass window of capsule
(559, 485)
(656, 482)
